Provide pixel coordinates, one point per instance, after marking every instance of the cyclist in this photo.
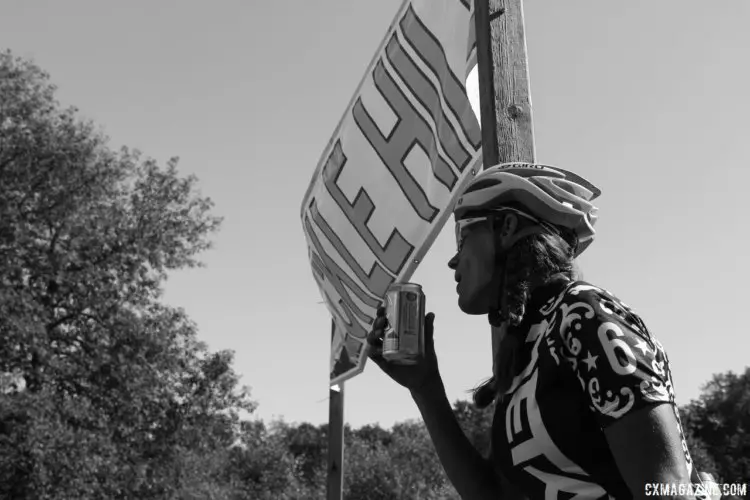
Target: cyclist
(584, 400)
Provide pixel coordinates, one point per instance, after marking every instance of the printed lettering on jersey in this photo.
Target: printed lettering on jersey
(386, 182)
(596, 340)
(531, 447)
(612, 353)
(533, 450)
(635, 372)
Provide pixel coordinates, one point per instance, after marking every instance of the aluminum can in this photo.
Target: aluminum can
(403, 341)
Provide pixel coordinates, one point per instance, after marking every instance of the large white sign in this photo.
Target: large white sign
(386, 183)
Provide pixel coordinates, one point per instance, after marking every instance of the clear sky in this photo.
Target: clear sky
(649, 100)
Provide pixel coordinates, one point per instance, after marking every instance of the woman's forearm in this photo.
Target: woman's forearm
(469, 472)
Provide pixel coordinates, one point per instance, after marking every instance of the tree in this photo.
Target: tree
(118, 398)
(263, 466)
(369, 472)
(417, 467)
(476, 424)
(374, 435)
(720, 421)
(703, 461)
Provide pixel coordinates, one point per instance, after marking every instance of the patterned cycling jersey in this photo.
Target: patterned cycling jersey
(590, 361)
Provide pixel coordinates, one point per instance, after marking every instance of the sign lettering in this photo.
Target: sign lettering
(453, 90)
(410, 130)
(396, 250)
(385, 186)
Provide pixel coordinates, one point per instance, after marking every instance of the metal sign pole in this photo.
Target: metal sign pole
(335, 484)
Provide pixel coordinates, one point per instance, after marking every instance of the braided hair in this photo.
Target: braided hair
(533, 259)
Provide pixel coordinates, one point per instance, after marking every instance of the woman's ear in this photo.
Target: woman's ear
(508, 228)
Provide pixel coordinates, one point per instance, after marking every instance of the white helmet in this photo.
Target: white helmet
(551, 194)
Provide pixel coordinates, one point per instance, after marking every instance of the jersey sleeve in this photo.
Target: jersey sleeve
(621, 367)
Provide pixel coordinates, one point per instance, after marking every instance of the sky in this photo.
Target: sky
(648, 100)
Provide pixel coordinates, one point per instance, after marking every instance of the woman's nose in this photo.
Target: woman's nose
(453, 263)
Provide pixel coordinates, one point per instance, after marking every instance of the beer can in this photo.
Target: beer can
(403, 341)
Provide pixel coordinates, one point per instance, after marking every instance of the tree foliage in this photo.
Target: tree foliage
(719, 422)
(113, 396)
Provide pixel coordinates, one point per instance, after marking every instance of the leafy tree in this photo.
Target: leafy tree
(702, 458)
(117, 397)
(476, 424)
(308, 445)
(369, 472)
(374, 435)
(720, 421)
(420, 474)
(262, 466)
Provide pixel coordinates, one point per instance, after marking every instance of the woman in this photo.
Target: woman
(585, 405)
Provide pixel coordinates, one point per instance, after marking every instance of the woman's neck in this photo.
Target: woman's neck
(541, 282)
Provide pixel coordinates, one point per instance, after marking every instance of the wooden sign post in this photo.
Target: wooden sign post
(504, 94)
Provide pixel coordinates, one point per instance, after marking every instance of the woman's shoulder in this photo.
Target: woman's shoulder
(619, 364)
(595, 302)
(583, 291)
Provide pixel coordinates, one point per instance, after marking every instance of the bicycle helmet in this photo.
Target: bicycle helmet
(556, 196)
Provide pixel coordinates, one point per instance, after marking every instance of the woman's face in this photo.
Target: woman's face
(474, 266)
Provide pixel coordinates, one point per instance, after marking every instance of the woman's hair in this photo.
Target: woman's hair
(533, 259)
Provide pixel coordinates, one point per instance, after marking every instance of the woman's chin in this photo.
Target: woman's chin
(469, 305)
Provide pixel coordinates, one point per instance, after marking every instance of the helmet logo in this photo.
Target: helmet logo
(460, 200)
(523, 165)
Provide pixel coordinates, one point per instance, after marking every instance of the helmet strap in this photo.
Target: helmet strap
(498, 314)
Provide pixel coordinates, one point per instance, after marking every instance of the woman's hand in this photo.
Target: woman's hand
(420, 377)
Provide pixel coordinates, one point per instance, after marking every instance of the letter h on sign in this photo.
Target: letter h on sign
(451, 152)
(396, 250)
